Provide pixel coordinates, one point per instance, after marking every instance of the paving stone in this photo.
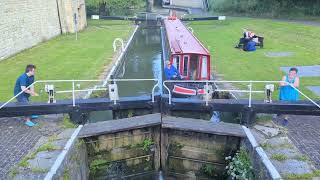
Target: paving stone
(314, 89)
(16, 140)
(66, 134)
(290, 153)
(279, 54)
(44, 159)
(260, 138)
(305, 71)
(304, 133)
(267, 131)
(60, 143)
(292, 166)
(276, 141)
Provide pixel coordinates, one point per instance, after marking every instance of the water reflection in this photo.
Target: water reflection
(141, 61)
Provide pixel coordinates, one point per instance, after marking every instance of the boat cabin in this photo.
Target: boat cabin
(185, 51)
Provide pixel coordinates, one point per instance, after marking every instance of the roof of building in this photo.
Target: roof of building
(181, 40)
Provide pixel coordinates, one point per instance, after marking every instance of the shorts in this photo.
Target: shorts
(22, 99)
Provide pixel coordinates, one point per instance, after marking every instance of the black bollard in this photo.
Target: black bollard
(248, 117)
(78, 117)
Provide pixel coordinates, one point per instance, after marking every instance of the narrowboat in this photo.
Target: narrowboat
(189, 57)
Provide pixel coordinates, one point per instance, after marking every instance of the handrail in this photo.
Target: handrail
(115, 44)
(250, 91)
(84, 90)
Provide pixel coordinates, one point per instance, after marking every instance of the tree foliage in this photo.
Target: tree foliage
(118, 4)
(112, 6)
(267, 8)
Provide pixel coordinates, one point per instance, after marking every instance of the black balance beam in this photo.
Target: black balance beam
(81, 105)
(232, 105)
(144, 102)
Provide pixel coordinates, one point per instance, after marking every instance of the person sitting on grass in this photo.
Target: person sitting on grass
(22, 85)
(247, 37)
(288, 91)
(171, 72)
(250, 46)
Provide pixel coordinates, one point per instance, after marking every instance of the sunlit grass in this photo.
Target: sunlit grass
(220, 37)
(65, 58)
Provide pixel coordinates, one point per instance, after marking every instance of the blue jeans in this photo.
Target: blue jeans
(22, 99)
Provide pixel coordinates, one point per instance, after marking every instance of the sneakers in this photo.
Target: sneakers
(34, 117)
(29, 123)
(285, 122)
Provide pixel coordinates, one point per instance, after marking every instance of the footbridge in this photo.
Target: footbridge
(157, 101)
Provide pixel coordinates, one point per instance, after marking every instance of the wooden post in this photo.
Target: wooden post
(164, 149)
(157, 156)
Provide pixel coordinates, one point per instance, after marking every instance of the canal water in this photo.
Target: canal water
(142, 60)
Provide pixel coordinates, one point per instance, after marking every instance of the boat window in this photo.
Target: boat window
(185, 65)
(199, 68)
(176, 62)
(193, 67)
(204, 67)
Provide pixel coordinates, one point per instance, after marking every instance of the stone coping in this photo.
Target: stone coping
(202, 126)
(107, 127)
(168, 122)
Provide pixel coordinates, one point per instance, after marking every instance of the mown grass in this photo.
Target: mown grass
(66, 123)
(279, 157)
(220, 37)
(312, 175)
(65, 58)
(38, 170)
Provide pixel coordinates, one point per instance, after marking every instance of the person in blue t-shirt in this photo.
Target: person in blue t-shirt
(171, 72)
(22, 91)
(288, 88)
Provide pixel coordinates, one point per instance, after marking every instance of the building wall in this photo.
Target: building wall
(25, 23)
(67, 9)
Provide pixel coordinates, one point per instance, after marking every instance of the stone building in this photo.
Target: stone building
(25, 23)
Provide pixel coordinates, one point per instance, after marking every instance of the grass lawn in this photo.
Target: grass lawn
(221, 36)
(65, 58)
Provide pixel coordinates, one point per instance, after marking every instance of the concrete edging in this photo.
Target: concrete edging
(63, 154)
(262, 155)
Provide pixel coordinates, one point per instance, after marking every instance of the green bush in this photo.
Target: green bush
(115, 7)
(267, 8)
(239, 166)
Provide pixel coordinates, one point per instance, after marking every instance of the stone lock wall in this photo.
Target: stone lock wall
(196, 155)
(25, 23)
(123, 154)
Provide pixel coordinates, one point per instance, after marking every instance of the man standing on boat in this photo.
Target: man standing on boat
(171, 72)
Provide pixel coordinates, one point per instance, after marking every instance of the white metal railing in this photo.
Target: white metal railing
(249, 90)
(73, 90)
(114, 45)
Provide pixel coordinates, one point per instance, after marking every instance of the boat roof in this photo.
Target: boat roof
(181, 40)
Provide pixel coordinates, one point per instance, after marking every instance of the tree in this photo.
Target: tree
(101, 4)
(106, 5)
